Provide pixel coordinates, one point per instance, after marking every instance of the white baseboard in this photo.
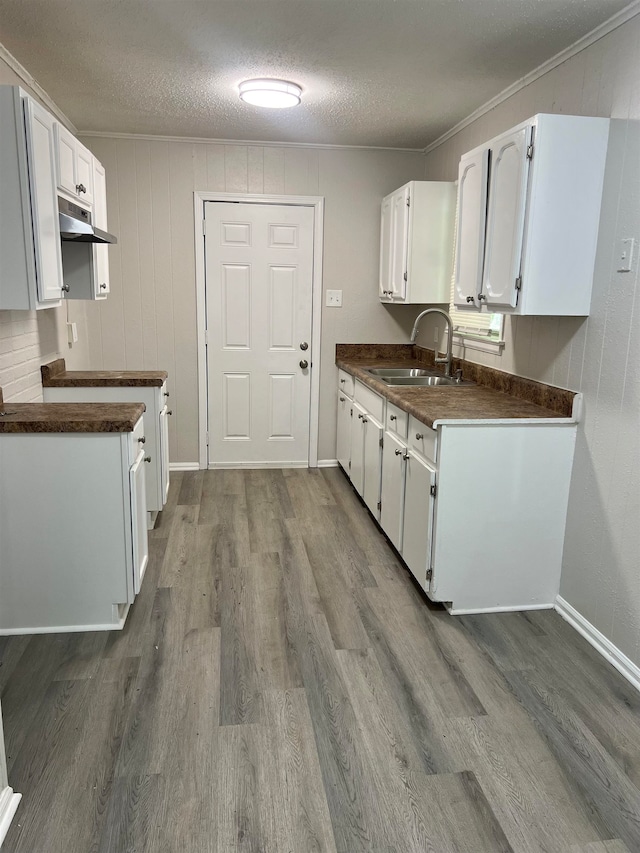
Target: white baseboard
(184, 466)
(600, 643)
(8, 804)
(327, 463)
(257, 465)
(503, 608)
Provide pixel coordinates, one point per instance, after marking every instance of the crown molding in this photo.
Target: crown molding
(19, 69)
(198, 140)
(587, 40)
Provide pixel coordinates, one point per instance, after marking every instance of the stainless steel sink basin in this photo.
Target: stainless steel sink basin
(426, 380)
(387, 372)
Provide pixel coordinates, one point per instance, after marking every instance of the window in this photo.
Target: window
(474, 329)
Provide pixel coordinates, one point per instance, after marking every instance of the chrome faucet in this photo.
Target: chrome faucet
(414, 334)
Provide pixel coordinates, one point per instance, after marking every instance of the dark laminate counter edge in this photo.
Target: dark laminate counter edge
(55, 375)
(432, 406)
(69, 417)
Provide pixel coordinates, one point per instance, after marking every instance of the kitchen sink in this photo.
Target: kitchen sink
(387, 372)
(449, 381)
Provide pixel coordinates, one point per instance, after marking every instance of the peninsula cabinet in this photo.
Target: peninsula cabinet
(30, 251)
(73, 537)
(416, 243)
(528, 218)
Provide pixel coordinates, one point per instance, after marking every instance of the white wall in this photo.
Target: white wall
(599, 356)
(149, 320)
(29, 338)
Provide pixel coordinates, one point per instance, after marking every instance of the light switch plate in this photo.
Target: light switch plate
(334, 298)
(72, 333)
(625, 254)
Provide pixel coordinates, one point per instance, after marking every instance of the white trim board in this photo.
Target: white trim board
(9, 801)
(35, 87)
(317, 202)
(595, 35)
(600, 643)
(217, 466)
(328, 463)
(184, 466)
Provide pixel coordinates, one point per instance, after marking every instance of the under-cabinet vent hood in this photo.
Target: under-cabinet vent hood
(75, 225)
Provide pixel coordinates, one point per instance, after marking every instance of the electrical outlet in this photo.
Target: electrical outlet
(72, 333)
(625, 254)
(334, 298)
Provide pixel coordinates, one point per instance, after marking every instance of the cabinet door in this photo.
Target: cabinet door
(392, 490)
(65, 144)
(386, 225)
(372, 464)
(505, 219)
(164, 454)
(343, 438)
(418, 517)
(137, 496)
(84, 174)
(100, 252)
(357, 448)
(44, 201)
(399, 242)
(472, 214)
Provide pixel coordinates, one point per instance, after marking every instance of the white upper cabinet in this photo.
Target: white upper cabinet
(101, 252)
(74, 165)
(416, 243)
(30, 253)
(528, 217)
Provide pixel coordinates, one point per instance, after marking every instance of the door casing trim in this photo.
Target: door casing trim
(317, 203)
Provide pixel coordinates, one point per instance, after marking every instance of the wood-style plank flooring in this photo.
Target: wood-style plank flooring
(282, 686)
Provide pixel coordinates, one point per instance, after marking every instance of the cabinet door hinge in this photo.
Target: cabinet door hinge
(379, 504)
(529, 152)
(519, 283)
(433, 490)
(405, 276)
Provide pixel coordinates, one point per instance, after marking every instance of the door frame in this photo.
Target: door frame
(317, 203)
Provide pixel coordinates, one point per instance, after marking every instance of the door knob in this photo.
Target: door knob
(304, 345)
(304, 364)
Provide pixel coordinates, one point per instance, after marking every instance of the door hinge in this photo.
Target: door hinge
(529, 152)
(433, 490)
(405, 276)
(381, 442)
(519, 283)
(207, 438)
(429, 574)
(206, 337)
(379, 504)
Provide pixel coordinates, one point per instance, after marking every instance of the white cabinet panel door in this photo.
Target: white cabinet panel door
(343, 442)
(44, 201)
(399, 242)
(65, 144)
(137, 493)
(259, 268)
(84, 174)
(100, 253)
(372, 464)
(472, 214)
(392, 494)
(505, 218)
(418, 517)
(357, 448)
(386, 227)
(164, 454)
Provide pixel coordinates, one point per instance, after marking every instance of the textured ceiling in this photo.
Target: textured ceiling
(394, 73)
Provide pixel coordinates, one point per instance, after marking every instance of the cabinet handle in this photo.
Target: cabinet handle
(147, 459)
(65, 288)
(393, 418)
(169, 412)
(482, 297)
(80, 188)
(419, 436)
(142, 439)
(398, 452)
(342, 399)
(406, 456)
(470, 299)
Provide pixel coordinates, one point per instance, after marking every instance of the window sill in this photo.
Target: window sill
(477, 342)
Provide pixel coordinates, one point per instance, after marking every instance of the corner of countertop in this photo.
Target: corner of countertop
(54, 368)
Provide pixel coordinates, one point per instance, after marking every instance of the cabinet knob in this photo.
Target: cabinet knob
(342, 381)
(470, 299)
(361, 416)
(393, 418)
(419, 436)
(65, 288)
(398, 453)
(365, 420)
(406, 456)
(142, 439)
(103, 287)
(166, 393)
(482, 297)
(342, 399)
(147, 459)
(169, 412)
(80, 188)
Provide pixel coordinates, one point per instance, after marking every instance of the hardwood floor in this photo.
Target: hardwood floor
(282, 686)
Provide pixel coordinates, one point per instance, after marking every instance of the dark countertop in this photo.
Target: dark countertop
(69, 417)
(56, 375)
(435, 404)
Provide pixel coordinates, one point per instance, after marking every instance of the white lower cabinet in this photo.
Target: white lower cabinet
(477, 510)
(73, 538)
(343, 436)
(156, 432)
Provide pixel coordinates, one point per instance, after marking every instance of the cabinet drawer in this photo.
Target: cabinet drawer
(396, 421)
(422, 439)
(345, 382)
(371, 401)
(136, 442)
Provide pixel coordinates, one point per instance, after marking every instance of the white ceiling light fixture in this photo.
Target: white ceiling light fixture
(274, 94)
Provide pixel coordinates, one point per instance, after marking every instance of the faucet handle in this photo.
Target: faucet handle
(458, 375)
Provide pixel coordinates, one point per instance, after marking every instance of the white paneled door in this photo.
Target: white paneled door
(259, 276)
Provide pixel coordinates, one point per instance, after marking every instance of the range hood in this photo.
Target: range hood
(75, 225)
